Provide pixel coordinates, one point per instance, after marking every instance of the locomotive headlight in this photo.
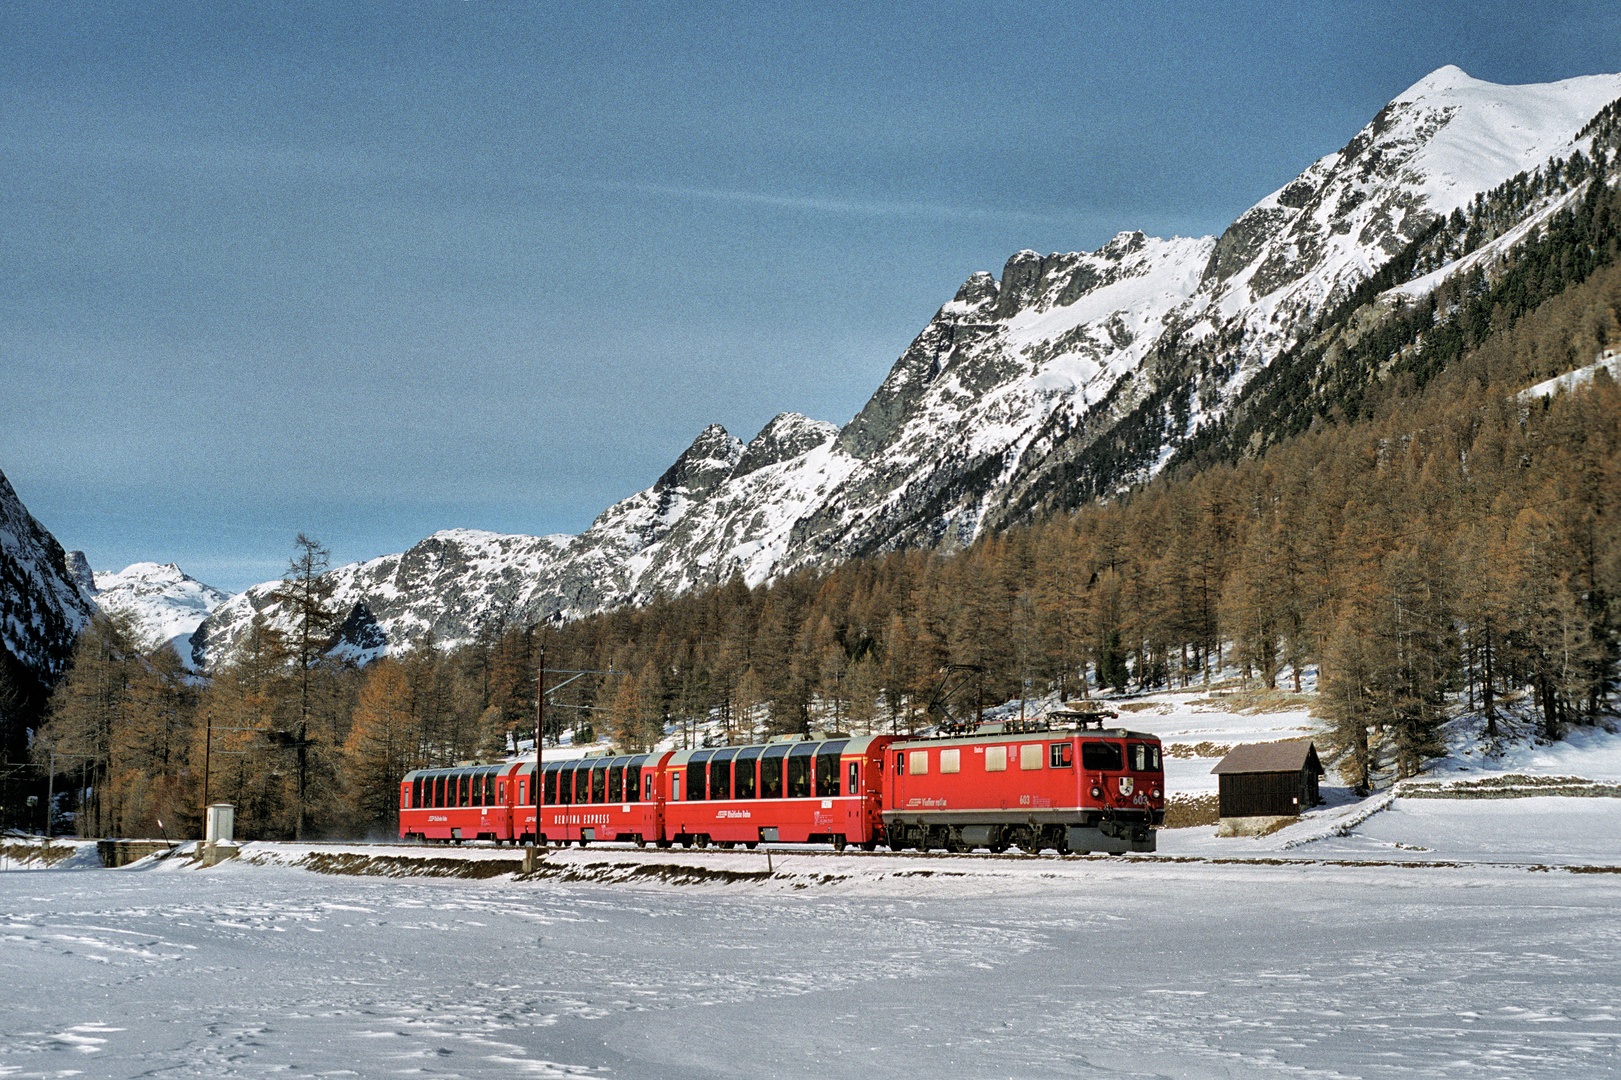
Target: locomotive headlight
(1097, 792)
(1156, 793)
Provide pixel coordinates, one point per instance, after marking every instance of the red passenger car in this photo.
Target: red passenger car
(793, 789)
(468, 802)
(588, 799)
(1035, 784)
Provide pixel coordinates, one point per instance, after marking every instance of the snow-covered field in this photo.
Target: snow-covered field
(1390, 937)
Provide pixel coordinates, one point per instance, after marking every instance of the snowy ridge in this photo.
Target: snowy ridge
(165, 605)
(976, 422)
(42, 608)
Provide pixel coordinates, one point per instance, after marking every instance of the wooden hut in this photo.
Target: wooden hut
(1269, 780)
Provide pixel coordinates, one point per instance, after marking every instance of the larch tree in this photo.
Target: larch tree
(306, 593)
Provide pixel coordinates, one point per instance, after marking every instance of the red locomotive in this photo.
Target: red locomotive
(1062, 782)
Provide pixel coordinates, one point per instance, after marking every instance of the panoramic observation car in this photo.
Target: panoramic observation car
(469, 802)
(588, 799)
(792, 789)
(1053, 782)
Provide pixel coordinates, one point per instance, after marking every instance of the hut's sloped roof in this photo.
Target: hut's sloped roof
(1290, 755)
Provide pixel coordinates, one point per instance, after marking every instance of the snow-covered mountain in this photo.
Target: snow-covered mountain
(165, 605)
(42, 610)
(1000, 403)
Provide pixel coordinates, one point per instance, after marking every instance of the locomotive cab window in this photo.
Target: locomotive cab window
(1102, 756)
(1144, 757)
(1061, 755)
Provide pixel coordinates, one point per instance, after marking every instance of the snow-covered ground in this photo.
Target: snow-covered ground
(838, 966)
(1410, 934)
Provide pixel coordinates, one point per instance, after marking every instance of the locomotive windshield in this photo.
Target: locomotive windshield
(1102, 756)
(1144, 757)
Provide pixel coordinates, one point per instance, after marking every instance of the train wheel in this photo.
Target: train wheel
(686, 840)
(703, 840)
(751, 844)
(869, 845)
(839, 841)
(896, 844)
(640, 840)
(661, 844)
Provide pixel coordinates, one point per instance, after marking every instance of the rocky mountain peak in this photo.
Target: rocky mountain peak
(79, 570)
(788, 435)
(42, 608)
(707, 462)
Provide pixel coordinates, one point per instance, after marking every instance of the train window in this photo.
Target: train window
(1144, 757)
(917, 762)
(633, 783)
(616, 784)
(582, 784)
(416, 792)
(675, 787)
(521, 784)
(466, 790)
(853, 787)
(599, 784)
(697, 780)
(827, 776)
(1102, 756)
(1061, 755)
(900, 763)
(565, 786)
(996, 759)
(647, 787)
(951, 760)
(827, 768)
(1030, 756)
(500, 793)
(551, 787)
(798, 783)
(720, 774)
(743, 774)
(771, 776)
(437, 799)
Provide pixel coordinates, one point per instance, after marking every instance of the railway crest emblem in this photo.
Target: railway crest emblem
(1126, 785)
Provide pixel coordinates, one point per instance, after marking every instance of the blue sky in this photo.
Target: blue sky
(367, 271)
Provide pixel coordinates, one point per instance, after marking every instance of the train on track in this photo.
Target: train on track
(1061, 782)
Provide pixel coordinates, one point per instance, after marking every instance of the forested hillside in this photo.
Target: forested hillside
(1420, 536)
